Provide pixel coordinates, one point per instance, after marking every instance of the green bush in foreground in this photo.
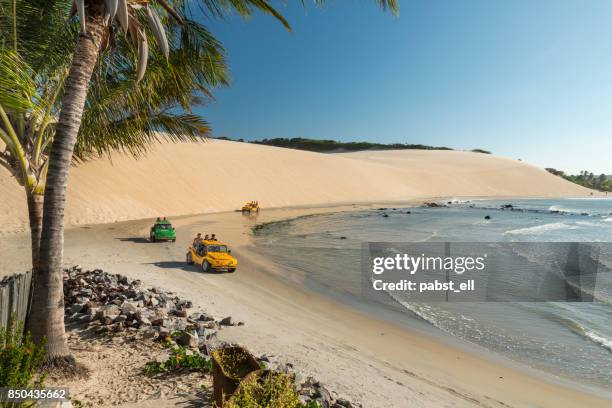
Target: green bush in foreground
(179, 360)
(272, 390)
(21, 359)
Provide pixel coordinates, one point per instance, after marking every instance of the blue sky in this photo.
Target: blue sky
(529, 80)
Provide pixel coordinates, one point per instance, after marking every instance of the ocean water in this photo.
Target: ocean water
(572, 340)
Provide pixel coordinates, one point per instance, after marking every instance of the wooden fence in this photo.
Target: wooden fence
(14, 297)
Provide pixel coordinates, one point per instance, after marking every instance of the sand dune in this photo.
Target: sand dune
(188, 178)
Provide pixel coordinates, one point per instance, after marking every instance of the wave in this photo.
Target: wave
(562, 209)
(609, 219)
(602, 341)
(578, 329)
(542, 229)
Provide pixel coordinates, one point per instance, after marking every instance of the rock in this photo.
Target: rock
(77, 308)
(128, 308)
(120, 319)
(106, 321)
(226, 321)
(202, 328)
(340, 402)
(180, 313)
(305, 400)
(179, 324)
(206, 318)
(487, 217)
(110, 310)
(160, 322)
(434, 205)
(150, 334)
(188, 339)
(325, 399)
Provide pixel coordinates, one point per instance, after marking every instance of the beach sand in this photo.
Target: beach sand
(361, 357)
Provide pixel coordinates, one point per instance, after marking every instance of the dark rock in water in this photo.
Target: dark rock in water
(382, 208)
(385, 215)
(487, 217)
(507, 206)
(449, 202)
(584, 214)
(408, 212)
(434, 205)
(343, 237)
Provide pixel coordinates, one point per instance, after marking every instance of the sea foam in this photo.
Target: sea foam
(542, 229)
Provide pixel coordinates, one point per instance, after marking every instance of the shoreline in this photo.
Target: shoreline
(368, 359)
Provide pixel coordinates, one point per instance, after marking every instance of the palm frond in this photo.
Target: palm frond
(17, 88)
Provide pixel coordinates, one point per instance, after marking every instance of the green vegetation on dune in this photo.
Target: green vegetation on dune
(586, 179)
(334, 146)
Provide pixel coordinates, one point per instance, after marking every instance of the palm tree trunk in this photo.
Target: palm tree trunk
(47, 312)
(35, 212)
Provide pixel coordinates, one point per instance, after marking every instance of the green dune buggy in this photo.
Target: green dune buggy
(162, 230)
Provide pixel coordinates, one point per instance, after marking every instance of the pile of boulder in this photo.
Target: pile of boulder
(113, 303)
(312, 390)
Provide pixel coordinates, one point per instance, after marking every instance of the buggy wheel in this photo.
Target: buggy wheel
(189, 259)
(153, 238)
(205, 266)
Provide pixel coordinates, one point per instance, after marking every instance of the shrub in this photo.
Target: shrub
(21, 359)
(271, 390)
(179, 360)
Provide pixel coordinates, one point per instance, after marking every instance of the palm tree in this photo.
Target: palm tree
(98, 20)
(120, 113)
